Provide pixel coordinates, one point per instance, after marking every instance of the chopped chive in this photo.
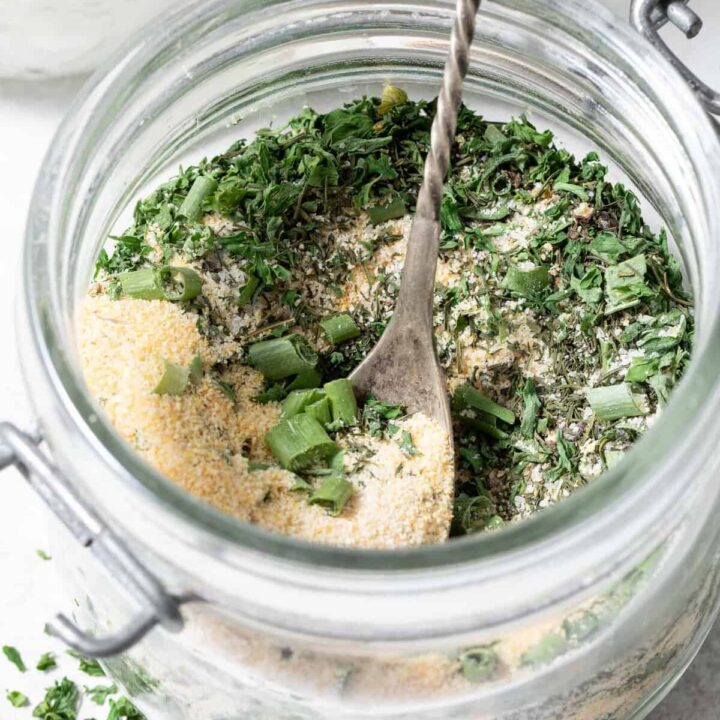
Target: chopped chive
(42, 554)
(614, 402)
(487, 427)
(340, 328)
(526, 282)
(300, 442)
(256, 466)
(343, 404)
(333, 494)
(192, 205)
(179, 283)
(306, 379)
(282, 357)
(175, 284)
(320, 410)
(174, 380)
(337, 462)
(467, 396)
(141, 284)
(248, 290)
(196, 371)
(298, 400)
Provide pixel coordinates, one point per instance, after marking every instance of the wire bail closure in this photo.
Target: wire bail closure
(156, 605)
(648, 16)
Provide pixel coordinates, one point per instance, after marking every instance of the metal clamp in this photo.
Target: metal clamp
(156, 605)
(647, 16)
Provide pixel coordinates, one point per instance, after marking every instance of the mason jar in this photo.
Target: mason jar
(589, 610)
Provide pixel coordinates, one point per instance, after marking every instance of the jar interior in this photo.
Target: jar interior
(237, 70)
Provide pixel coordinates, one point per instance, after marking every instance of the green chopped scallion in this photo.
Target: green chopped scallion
(300, 442)
(175, 284)
(282, 357)
(320, 410)
(343, 403)
(306, 379)
(340, 328)
(179, 283)
(298, 400)
(174, 380)
(615, 401)
(192, 205)
(469, 397)
(141, 284)
(333, 494)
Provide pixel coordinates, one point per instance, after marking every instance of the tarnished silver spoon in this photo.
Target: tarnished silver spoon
(403, 367)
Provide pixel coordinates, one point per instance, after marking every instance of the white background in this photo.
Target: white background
(29, 114)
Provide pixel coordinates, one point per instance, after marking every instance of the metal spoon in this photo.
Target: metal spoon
(403, 367)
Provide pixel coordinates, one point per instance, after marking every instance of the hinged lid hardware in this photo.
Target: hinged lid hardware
(647, 16)
(156, 605)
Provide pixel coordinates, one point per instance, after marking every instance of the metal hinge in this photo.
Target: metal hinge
(156, 605)
(648, 16)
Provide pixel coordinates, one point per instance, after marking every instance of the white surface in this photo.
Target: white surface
(29, 114)
(45, 39)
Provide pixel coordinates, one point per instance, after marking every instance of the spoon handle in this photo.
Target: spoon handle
(414, 302)
(444, 124)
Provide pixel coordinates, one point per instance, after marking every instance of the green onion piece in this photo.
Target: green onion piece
(306, 379)
(300, 442)
(488, 427)
(320, 410)
(173, 381)
(614, 402)
(141, 284)
(526, 282)
(340, 328)
(248, 290)
(343, 404)
(282, 357)
(192, 205)
(467, 396)
(196, 370)
(337, 462)
(298, 400)
(179, 283)
(391, 97)
(333, 494)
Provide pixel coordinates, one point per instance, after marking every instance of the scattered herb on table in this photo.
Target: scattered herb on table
(13, 655)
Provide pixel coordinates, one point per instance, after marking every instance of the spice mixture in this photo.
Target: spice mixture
(221, 327)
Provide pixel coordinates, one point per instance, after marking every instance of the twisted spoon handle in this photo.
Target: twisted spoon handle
(442, 133)
(403, 367)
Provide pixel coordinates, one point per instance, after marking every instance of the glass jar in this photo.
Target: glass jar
(588, 610)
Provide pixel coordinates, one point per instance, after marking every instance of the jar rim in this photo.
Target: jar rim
(614, 498)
